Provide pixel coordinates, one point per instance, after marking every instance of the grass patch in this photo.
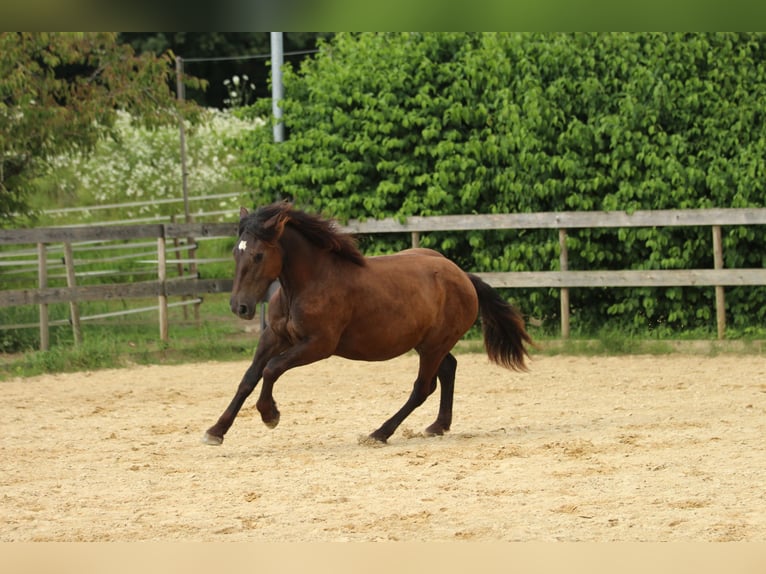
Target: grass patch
(617, 345)
(211, 343)
(219, 336)
(134, 339)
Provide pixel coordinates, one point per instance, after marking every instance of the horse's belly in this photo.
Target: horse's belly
(392, 332)
(367, 351)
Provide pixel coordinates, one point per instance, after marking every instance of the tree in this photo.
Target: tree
(61, 92)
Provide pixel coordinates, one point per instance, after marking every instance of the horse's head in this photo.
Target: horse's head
(258, 260)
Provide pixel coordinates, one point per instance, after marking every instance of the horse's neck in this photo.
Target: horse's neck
(302, 261)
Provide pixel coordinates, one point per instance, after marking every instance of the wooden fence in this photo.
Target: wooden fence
(162, 287)
(564, 279)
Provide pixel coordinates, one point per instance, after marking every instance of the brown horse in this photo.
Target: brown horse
(333, 300)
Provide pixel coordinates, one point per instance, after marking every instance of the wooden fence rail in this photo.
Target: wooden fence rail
(564, 279)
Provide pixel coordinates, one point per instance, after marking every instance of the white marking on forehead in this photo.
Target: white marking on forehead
(242, 245)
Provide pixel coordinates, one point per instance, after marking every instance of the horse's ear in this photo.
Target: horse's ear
(277, 223)
(242, 212)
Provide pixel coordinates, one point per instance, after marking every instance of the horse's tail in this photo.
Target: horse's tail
(503, 327)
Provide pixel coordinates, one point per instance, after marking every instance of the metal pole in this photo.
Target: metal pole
(277, 93)
(277, 90)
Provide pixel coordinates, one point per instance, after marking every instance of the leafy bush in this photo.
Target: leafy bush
(421, 124)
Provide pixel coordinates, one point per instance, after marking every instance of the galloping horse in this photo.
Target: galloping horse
(333, 300)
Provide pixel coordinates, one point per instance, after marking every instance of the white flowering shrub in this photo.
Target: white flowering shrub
(141, 171)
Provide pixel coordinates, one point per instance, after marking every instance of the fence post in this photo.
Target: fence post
(179, 265)
(42, 279)
(720, 300)
(415, 239)
(162, 276)
(564, 264)
(74, 309)
(193, 271)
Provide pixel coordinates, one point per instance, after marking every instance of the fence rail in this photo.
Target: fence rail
(564, 279)
(566, 220)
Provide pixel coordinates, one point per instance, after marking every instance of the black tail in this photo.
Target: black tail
(503, 327)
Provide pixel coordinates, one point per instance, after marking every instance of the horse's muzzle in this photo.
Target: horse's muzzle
(242, 310)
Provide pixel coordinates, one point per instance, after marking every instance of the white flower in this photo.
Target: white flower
(145, 165)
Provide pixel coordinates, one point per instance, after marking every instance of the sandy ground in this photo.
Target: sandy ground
(639, 448)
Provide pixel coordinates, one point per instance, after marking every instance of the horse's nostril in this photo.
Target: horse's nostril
(243, 311)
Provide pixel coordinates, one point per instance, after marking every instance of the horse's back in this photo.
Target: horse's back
(418, 251)
(419, 272)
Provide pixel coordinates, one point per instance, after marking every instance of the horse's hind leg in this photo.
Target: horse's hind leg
(446, 375)
(424, 385)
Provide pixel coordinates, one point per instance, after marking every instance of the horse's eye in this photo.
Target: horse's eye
(258, 257)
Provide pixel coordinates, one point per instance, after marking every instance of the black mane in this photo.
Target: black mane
(317, 230)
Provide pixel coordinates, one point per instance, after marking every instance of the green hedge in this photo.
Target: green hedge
(421, 124)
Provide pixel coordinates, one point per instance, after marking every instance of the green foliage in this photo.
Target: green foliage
(60, 92)
(423, 124)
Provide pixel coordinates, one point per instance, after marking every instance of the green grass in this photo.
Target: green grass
(220, 336)
(209, 343)
(610, 343)
(134, 339)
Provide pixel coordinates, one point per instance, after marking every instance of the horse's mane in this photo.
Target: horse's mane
(317, 230)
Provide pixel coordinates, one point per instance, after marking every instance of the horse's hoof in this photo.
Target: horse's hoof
(370, 440)
(212, 440)
(435, 430)
(272, 424)
(377, 436)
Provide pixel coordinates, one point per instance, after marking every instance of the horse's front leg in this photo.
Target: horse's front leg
(268, 346)
(308, 351)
